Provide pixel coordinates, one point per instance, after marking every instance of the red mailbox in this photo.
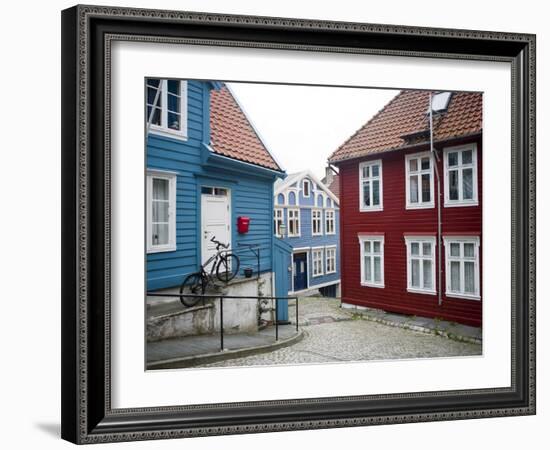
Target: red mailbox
(242, 224)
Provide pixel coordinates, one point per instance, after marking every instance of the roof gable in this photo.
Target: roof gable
(232, 133)
(405, 117)
(282, 185)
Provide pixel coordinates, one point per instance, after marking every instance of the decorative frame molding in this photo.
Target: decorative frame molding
(87, 35)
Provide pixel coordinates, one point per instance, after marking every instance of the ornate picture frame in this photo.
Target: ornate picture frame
(87, 35)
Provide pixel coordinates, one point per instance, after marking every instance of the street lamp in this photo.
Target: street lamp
(282, 230)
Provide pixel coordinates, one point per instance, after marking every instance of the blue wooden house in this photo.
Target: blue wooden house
(206, 167)
(306, 215)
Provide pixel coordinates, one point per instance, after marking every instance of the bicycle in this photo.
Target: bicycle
(224, 263)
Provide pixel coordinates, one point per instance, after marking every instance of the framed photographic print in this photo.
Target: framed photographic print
(266, 221)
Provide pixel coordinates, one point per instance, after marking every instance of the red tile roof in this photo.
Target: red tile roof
(406, 114)
(334, 186)
(232, 134)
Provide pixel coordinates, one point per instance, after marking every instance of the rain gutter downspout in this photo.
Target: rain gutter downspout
(432, 150)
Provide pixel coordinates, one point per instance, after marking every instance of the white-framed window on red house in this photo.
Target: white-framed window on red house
(419, 181)
(370, 186)
(462, 267)
(420, 264)
(460, 164)
(372, 260)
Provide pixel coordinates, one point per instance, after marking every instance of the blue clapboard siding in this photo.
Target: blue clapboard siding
(307, 241)
(251, 196)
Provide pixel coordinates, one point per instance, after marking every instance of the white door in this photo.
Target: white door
(215, 219)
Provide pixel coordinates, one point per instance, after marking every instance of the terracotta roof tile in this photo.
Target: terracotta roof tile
(334, 186)
(406, 114)
(231, 133)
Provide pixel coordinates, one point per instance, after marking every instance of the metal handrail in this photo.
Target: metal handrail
(222, 297)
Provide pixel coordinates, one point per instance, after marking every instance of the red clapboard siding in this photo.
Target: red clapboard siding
(395, 221)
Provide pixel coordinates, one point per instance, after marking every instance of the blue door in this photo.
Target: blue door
(300, 271)
(281, 266)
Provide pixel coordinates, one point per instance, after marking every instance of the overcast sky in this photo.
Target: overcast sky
(303, 125)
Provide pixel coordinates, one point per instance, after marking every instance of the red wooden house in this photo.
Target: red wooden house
(403, 205)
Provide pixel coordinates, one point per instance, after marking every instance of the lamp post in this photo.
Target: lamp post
(282, 230)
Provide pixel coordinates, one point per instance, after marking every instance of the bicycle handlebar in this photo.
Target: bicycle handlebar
(218, 243)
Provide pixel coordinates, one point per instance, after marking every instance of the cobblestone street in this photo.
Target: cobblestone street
(332, 334)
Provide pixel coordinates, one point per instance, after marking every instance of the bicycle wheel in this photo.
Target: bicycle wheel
(192, 285)
(228, 267)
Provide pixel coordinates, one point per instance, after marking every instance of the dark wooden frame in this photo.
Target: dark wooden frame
(87, 32)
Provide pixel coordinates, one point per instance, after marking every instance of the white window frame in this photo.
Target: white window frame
(320, 252)
(163, 129)
(304, 182)
(172, 185)
(460, 202)
(371, 238)
(420, 240)
(380, 206)
(319, 220)
(420, 204)
(448, 240)
(330, 249)
(298, 231)
(278, 219)
(332, 220)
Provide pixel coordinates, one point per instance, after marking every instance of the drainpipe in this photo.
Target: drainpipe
(432, 150)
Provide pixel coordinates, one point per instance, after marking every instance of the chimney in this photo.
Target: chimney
(328, 176)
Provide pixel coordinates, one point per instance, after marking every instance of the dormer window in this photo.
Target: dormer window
(306, 188)
(440, 102)
(167, 107)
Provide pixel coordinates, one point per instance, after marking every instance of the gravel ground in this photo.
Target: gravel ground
(354, 340)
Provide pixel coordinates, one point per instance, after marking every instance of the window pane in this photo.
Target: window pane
(375, 192)
(155, 120)
(174, 103)
(367, 247)
(425, 163)
(453, 159)
(151, 95)
(377, 269)
(415, 273)
(455, 276)
(415, 248)
(367, 269)
(413, 189)
(427, 273)
(426, 191)
(455, 249)
(160, 234)
(467, 184)
(453, 184)
(366, 193)
(426, 248)
(173, 121)
(469, 250)
(160, 189)
(469, 278)
(375, 170)
(153, 82)
(376, 246)
(174, 87)
(467, 157)
(160, 211)
(366, 171)
(413, 165)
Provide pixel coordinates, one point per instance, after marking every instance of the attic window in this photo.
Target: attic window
(440, 102)
(306, 188)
